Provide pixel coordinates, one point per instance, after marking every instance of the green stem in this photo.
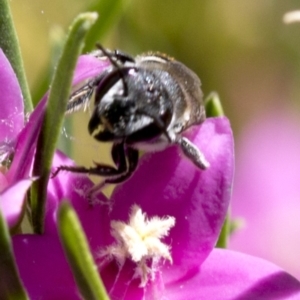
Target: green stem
(213, 106)
(223, 237)
(79, 255)
(10, 45)
(56, 107)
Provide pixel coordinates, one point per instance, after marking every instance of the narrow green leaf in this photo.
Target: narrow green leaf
(224, 235)
(10, 283)
(213, 108)
(213, 105)
(56, 107)
(78, 254)
(109, 13)
(10, 45)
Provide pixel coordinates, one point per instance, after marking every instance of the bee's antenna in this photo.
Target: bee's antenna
(115, 64)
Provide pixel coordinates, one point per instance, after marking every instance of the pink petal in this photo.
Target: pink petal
(12, 201)
(88, 67)
(25, 148)
(3, 182)
(40, 258)
(225, 275)
(43, 268)
(121, 283)
(229, 275)
(266, 193)
(168, 184)
(74, 187)
(11, 103)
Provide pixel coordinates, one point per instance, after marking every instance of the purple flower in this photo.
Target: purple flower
(266, 192)
(198, 201)
(13, 185)
(168, 187)
(12, 108)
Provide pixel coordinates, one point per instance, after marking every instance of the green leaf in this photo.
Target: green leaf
(109, 13)
(10, 283)
(10, 45)
(56, 107)
(213, 108)
(213, 105)
(78, 254)
(224, 235)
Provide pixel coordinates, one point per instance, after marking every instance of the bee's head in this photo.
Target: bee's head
(133, 107)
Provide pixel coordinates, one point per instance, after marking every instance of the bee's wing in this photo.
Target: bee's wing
(188, 81)
(81, 97)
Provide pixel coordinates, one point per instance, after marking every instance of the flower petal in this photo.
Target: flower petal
(266, 193)
(43, 267)
(74, 187)
(46, 274)
(3, 182)
(25, 148)
(229, 275)
(40, 258)
(12, 201)
(12, 108)
(165, 183)
(89, 66)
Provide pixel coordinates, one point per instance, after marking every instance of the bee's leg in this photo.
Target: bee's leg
(100, 169)
(193, 153)
(126, 161)
(113, 175)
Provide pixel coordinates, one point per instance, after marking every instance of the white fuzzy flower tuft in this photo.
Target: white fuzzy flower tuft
(139, 240)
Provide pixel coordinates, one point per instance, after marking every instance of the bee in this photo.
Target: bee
(141, 103)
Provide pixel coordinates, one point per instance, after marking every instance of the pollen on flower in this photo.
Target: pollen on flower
(139, 240)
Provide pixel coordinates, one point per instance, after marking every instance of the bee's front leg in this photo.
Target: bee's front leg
(125, 158)
(193, 153)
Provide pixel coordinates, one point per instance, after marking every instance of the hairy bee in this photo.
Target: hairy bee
(141, 103)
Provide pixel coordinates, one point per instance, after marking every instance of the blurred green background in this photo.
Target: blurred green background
(239, 48)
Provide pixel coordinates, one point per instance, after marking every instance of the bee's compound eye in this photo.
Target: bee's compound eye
(117, 114)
